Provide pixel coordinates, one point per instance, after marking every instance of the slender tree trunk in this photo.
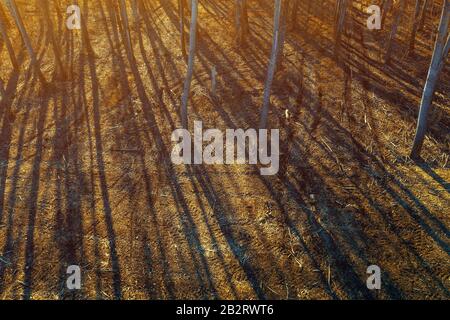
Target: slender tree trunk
(241, 23)
(136, 14)
(446, 48)
(272, 65)
(26, 39)
(126, 29)
(285, 6)
(245, 23)
(423, 14)
(387, 6)
(214, 81)
(86, 43)
(412, 40)
(341, 13)
(294, 15)
(8, 44)
(394, 30)
(181, 8)
(440, 53)
(191, 61)
(59, 16)
(238, 20)
(51, 35)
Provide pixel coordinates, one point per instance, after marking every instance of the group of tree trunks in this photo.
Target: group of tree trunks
(285, 18)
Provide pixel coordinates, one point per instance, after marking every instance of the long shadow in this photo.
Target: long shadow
(253, 276)
(5, 134)
(355, 148)
(429, 170)
(100, 161)
(332, 126)
(119, 69)
(189, 228)
(68, 233)
(195, 248)
(10, 255)
(32, 201)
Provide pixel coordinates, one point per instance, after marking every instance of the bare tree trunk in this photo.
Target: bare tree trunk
(241, 23)
(272, 65)
(387, 6)
(126, 29)
(26, 38)
(136, 14)
(394, 30)
(191, 61)
(245, 23)
(8, 44)
(341, 13)
(86, 43)
(440, 53)
(446, 48)
(181, 8)
(51, 35)
(294, 15)
(214, 81)
(285, 6)
(59, 16)
(423, 14)
(412, 40)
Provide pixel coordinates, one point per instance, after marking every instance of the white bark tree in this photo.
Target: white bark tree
(394, 30)
(191, 61)
(126, 29)
(272, 65)
(241, 23)
(440, 53)
(387, 6)
(341, 15)
(181, 8)
(415, 26)
(51, 36)
(294, 15)
(423, 14)
(136, 13)
(26, 39)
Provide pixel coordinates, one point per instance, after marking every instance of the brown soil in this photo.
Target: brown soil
(86, 176)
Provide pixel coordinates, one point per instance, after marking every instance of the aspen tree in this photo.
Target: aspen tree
(241, 22)
(285, 6)
(415, 27)
(440, 53)
(191, 61)
(394, 30)
(272, 65)
(26, 39)
(294, 14)
(51, 35)
(423, 14)
(136, 14)
(181, 8)
(126, 28)
(386, 7)
(341, 13)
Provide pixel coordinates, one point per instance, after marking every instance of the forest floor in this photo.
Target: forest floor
(86, 176)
